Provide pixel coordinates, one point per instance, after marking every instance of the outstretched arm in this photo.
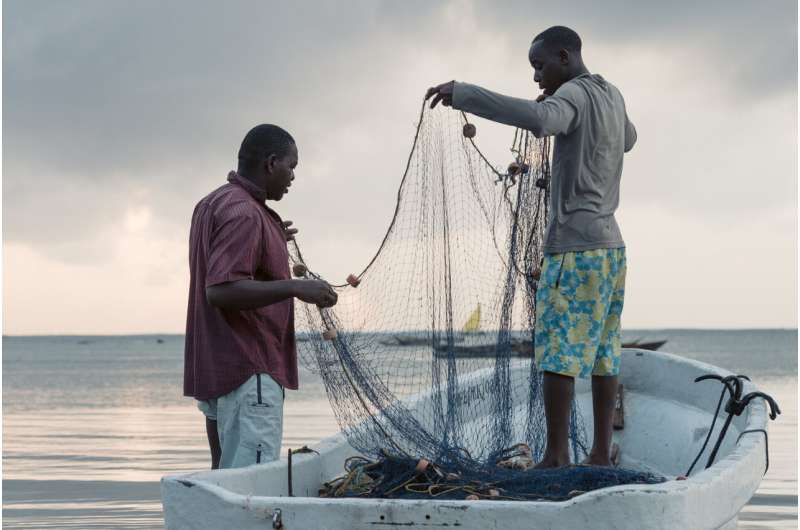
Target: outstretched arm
(555, 115)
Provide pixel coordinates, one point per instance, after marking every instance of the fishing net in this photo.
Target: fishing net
(428, 353)
(399, 477)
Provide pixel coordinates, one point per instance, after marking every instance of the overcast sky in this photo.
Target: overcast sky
(119, 116)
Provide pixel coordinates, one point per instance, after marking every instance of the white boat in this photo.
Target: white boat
(667, 417)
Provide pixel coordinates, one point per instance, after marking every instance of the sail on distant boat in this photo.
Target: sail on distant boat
(474, 321)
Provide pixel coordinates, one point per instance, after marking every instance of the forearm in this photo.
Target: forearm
(496, 107)
(250, 294)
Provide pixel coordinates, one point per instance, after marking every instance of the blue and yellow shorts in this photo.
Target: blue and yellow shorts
(578, 309)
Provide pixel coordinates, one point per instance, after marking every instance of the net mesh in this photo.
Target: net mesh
(432, 353)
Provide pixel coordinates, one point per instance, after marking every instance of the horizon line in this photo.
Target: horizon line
(173, 334)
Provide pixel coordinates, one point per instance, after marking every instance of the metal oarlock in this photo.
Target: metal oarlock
(735, 405)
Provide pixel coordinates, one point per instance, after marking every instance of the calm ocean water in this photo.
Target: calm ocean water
(90, 424)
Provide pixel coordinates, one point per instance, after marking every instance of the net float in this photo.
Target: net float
(523, 463)
(541, 183)
(299, 270)
(469, 130)
(329, 334)
(353, 280)
(537, 275)
(514, 168)
(422, 466)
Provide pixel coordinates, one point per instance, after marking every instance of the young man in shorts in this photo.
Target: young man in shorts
(582, 286)
(240, 350)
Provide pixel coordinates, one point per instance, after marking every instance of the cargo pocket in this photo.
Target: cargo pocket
(262, 420)
(259, 402)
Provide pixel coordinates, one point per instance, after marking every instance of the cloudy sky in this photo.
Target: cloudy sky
(118, 116)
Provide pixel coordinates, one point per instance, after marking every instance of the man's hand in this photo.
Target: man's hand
(443, 92)
(316, 292)
(289, 233)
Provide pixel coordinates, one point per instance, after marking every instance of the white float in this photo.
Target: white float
(667, 416)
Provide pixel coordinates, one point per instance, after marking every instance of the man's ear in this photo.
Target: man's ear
(269, 163)
(563, 55)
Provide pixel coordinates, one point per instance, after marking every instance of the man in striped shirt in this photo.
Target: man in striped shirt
(240, 350)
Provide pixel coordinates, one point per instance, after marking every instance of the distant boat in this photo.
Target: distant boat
(400, 340)
(160, 341)
(524, 348)
(653, 345)
(473, 323)
(471, 326)
(520, 348)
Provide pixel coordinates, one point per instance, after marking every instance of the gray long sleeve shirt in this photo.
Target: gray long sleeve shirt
(587, 116)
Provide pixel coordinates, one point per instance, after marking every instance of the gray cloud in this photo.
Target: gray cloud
(744, 42)
(113, 106)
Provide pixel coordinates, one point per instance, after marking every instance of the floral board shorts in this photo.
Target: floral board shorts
(578, 309)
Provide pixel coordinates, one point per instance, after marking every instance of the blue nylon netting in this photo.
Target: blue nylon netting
(432, 354)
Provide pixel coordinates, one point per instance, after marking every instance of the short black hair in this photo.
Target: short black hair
(262, 141)
(560, 37)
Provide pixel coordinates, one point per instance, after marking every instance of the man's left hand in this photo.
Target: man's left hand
(289, 232)
(443, 93)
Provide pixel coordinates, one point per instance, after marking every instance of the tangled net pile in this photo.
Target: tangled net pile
(427, 358)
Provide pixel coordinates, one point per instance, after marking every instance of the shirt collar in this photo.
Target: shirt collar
(250, 187)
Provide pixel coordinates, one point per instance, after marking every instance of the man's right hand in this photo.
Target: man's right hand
(443, 93)
(317, 292)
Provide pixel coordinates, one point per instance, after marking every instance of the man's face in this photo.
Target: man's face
(282, 174)
(549, 67)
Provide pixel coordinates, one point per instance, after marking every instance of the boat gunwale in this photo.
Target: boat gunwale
(744, 446)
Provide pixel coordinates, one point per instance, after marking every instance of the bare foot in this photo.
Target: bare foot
(597, 458)
(552, 462)
(594, 460)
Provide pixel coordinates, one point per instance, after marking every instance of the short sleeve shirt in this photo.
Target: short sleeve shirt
(235, 236)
